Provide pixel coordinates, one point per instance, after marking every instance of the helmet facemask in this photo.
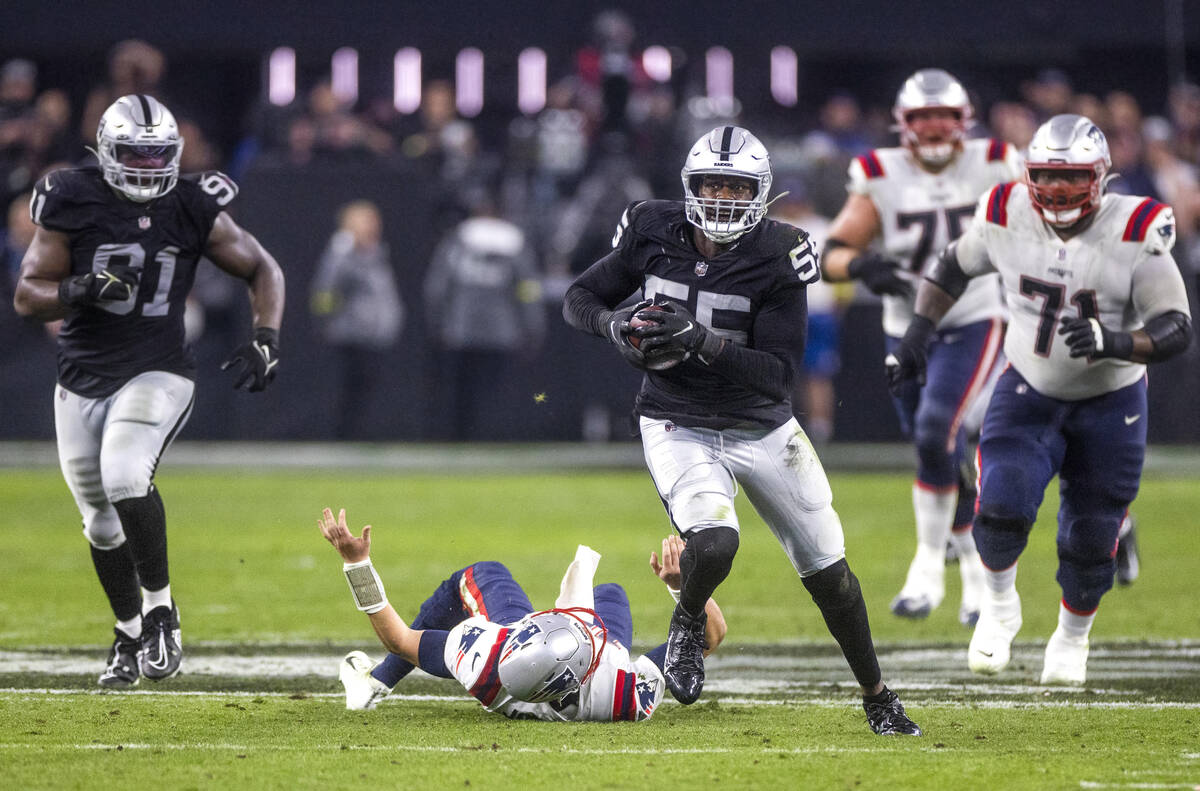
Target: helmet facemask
(1064, 203)
(139, 148)
(938, 152)
(727, 152)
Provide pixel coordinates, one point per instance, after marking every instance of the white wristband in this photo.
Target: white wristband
(674, 593)
(365, 586)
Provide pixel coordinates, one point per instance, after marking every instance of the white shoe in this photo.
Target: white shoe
(363, 690)
(924, 587)
(1066, 660)
(991, 643)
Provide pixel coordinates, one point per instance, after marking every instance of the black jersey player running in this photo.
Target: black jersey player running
(720, 334)
(114, 255)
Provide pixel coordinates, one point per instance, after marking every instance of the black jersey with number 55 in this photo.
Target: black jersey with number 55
(765, 270)
(102, 346)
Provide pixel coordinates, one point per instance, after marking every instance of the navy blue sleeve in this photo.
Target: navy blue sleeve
(432, 653)
(658, 655)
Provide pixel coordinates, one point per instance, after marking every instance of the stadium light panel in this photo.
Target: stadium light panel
(281, 76)
(785, 79)
(468, 82)
(406, 80)
(343, 70)
(718, 65)
(531, 80)
(656, 62)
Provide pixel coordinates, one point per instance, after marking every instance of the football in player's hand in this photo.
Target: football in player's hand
(662, 357)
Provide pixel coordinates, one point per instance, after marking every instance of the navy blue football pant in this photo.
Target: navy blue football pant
(960, 360)
(487, 588)
(1095, 446)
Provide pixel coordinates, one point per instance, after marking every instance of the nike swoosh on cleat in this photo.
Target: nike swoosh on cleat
(1131, 419)
(162, 652)
(988, 654)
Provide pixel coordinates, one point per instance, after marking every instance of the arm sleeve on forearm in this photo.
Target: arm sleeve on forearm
(604, 284)
(779, 336)
(432, 653)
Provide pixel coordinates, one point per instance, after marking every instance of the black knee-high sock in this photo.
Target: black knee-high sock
(119, 578)
(145, 524)
(704, 564)
(837, 594)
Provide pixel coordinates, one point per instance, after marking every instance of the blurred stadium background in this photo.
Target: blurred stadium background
(558, 115)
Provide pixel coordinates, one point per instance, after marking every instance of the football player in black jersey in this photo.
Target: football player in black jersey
(114, 256)
(720, 335)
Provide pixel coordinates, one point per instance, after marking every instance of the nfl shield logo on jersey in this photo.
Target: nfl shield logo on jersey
(144, 223)
(701, 268)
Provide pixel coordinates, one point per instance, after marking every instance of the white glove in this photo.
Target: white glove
(576, 587)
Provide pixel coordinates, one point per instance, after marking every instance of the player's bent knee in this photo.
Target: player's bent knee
(103, 530)
(712, 547)
(1006, 493)
(834, 586)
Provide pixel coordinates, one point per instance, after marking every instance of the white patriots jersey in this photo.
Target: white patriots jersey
(621, 688)
(1119, 271)
(922, 212)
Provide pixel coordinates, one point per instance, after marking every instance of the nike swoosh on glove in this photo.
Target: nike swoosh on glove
(676, 326)
(256, 362)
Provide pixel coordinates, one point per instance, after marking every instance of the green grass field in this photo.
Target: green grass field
(266, 615)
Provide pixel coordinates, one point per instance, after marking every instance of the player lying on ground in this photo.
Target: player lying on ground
(568, 663)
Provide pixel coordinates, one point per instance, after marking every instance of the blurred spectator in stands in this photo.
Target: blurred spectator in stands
(814, 399)
(133, 67)
(584, 229)
(483, 304)
(1124, 113)
(1184, 101)
(18, 84)
(17, 234)
(1013, 123)
(437, 111)
(361, 314)
(611, 71)
(341, 136)
(1175, 181)
(841, 119)
(1132, 176)
(1048, 94)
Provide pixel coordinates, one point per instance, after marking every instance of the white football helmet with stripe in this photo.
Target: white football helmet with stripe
(930, 89)
(550, 654)
(730, 151)
(1067, 143)
(139, 146)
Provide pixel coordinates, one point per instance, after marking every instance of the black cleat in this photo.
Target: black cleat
(1128, 561)
(885, 715)
(122, 668)
(161, 651)
(684, 664)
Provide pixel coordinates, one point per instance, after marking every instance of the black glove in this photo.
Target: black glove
(1089, 338)
(880, 275)
(257, 361)
(910, 359)
(675, 327)
(617, 330)
(114, 283)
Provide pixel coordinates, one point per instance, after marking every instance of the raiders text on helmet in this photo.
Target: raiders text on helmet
(729, 151)
(139, 146)
(932, 89)
(549, 655)
(1067, 143)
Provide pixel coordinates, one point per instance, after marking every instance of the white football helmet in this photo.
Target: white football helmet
(1067, 143)
(137, 129)
(929, 89)
(732, 151)
(550, 654)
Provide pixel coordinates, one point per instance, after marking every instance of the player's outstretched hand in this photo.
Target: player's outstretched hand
(668, 569)
(881, 275)
(1089, 338)
(256, 362)
(114, 283)
(337, 533)
(910, 358)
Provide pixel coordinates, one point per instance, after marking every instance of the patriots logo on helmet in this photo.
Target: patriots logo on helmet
(560, 685)
(521, 638)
